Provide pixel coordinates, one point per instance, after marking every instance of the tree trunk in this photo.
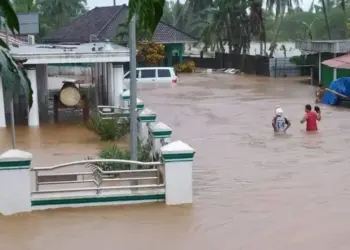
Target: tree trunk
(278, 26)
(324, 9)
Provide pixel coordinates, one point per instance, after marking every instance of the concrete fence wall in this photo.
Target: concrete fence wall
(54, 70)
(19, 181)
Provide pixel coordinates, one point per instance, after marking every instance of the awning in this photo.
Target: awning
(341, 62)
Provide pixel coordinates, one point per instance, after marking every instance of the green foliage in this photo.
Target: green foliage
(13, 75)
(53, 14)
(298, 60)
(109, 129)
(188, 66)
(149, 13)
(112, 151)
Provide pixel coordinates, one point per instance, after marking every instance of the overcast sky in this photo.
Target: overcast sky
(94, 3)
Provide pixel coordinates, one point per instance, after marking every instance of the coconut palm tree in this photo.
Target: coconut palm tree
(54, 14)
(280, 7)
(184, 18)
(257, 24)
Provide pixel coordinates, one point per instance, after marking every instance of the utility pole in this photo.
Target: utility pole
(133, 90)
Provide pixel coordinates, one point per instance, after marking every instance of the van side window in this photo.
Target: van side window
(163, 73)
(148, 73)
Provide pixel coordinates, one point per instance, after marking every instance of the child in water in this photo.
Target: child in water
(279, 122)
(311, 117)
(319, 93)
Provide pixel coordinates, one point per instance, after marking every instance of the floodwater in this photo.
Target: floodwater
(252, 190)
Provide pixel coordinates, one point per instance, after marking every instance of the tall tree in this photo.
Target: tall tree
(279, 7)
(54, 14)
(257, 24)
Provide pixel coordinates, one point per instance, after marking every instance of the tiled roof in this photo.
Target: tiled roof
(12, 39)
(103, 22)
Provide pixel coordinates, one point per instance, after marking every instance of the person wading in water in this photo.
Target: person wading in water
(279, 122)
(311, 117)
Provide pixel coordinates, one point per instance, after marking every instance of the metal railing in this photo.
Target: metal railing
(98, 177)
(110, 112)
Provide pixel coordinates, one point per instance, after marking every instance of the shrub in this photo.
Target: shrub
(109, 129)
(298, 60)
(151, 54)
(187, 67)
(112, 151)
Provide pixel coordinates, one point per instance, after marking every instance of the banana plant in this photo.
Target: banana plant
(13, 75)
(149, 13)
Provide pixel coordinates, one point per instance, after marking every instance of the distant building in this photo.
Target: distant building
(103, 23)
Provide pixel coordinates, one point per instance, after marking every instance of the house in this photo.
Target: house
(103, 23)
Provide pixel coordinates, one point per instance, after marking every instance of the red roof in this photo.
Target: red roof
(341, 62)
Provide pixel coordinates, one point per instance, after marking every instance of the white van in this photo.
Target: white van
(158, 75)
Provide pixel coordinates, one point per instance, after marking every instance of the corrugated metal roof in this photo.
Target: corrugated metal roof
(103, 22)
(330, 46)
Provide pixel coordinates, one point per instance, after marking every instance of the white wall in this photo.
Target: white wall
(67, 70)
(15, 191)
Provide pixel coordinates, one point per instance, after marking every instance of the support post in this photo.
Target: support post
(15, 182)
(133, 91)
(110, 82)
(178, 160)
(319, 68)
(33, 117)
(335, 70)
(118, 77)
(2, 106)
(43, 92)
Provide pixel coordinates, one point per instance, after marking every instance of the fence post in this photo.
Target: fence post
(15, 182)
(275, 67)
(178, 160)
(161, 134)
(139, 104)
(146, 117)
(126, 98)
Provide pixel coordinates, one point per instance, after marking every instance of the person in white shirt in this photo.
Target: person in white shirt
(279, 122)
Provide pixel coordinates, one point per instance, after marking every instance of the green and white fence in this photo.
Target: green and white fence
(24, 188)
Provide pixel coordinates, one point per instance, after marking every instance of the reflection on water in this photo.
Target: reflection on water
(252, 190)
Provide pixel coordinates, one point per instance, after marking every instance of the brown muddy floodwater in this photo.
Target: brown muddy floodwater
(252, 190)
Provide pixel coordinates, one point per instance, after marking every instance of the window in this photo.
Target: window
(128, 75)
(163, 73)
(148, 73)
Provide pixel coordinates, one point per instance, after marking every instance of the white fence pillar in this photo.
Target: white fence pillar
(146, 118)
(126, 98)
(178, 159)
(161, 134)
(139, 105)
(15, 186)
